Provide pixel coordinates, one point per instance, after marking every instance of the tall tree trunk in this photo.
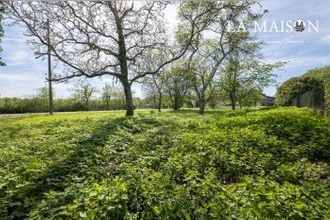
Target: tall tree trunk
(176, 104)
(202, 104)
(129, 98)
(240, 105)
(155, 101)
(202, 107)
(122, 57)
(50, 87)
(107, 104)
(87, 105)
(160, 100)
(232, 97)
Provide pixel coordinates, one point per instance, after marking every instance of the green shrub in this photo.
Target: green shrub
(255, 164)
(318, 79)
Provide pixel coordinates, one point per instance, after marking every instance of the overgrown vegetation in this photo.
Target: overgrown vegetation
(318, 78)
(83, 99)
(243, 164)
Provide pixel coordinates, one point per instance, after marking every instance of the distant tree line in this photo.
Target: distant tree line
(83, 98)
(174, 95)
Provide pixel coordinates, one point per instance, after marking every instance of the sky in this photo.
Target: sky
(24, 75)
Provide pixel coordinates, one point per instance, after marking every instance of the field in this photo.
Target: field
(244, 164)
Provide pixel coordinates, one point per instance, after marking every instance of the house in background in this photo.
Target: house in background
(267, 100)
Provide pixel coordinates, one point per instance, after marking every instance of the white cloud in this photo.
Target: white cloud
(19, 57)
(307, 61)
(326, 39)
(303, 61)
(14, 77)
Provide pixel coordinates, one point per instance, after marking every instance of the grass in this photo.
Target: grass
(261, 163)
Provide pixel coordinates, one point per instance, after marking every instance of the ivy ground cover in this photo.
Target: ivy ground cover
(252, 164)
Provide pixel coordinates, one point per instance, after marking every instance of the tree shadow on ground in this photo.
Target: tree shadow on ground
(196, 111)
(219, 111)
(80, 163)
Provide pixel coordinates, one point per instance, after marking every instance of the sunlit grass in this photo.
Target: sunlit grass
(264, 163)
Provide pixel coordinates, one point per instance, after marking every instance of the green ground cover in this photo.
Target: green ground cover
(244, 164)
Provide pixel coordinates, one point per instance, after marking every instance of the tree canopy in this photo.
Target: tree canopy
(315, 78)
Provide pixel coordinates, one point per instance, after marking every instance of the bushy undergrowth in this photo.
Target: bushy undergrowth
(245, 164)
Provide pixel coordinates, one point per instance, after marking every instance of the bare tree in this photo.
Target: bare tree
(211, 46)
(155, 86)
(114, 38)
(50, 75)
(84, 91)
(204, 68)
(107, 92)
(208, 48)
(178, 85)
